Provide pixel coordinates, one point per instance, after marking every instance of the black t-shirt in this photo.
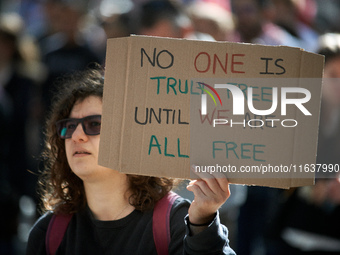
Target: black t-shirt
(130, 235)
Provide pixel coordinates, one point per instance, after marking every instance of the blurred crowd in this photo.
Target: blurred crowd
(42, 40)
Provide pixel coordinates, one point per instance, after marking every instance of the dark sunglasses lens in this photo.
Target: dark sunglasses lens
(92, 125)
(66, 128)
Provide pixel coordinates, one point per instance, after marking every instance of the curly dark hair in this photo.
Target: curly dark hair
(62, 191)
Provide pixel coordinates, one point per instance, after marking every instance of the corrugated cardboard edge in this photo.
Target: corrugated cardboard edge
(309, 71)
(118, 50)
(124, 97)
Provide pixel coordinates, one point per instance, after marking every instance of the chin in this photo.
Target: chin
(82, 169)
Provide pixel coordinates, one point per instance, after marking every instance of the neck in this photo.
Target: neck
(109, 199)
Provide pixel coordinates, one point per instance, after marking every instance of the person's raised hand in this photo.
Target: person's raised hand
(211, 192)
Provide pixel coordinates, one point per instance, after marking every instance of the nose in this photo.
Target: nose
(79, 134)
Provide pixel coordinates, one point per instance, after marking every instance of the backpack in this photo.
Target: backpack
(160, 226)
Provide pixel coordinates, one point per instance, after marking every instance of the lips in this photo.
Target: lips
(81, 152)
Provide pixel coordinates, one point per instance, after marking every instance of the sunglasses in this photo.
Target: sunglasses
(91, 126)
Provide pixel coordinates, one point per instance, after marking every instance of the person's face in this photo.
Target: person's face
(81, 149)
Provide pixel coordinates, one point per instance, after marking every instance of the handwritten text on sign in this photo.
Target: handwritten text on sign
(202, 62)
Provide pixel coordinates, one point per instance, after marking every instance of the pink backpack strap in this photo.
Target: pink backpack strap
(56, 231)
(161, 223)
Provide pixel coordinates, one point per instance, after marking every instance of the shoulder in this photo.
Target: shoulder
(41, 224)
(173, 207)
(172, 203)
(178, 212)
(180, 204)
(36, 239)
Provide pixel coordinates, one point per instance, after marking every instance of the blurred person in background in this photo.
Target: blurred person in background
(287, 16)
(114, 18)
(329, 131)
(20, 74)
(213, 19)
(254, 24)
(9, 201)
(327, 18)
(64, 48)
(166, 19)
(18, 83)
(116, 25)
(308, 218)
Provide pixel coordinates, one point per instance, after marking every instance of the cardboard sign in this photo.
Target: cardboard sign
(156, 88)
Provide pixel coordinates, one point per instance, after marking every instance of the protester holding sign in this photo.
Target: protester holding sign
(111, 212)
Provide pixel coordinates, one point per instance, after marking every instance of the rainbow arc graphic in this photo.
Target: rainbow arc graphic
(204, 97)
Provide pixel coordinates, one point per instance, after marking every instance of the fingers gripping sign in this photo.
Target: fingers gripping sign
(211, 191)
